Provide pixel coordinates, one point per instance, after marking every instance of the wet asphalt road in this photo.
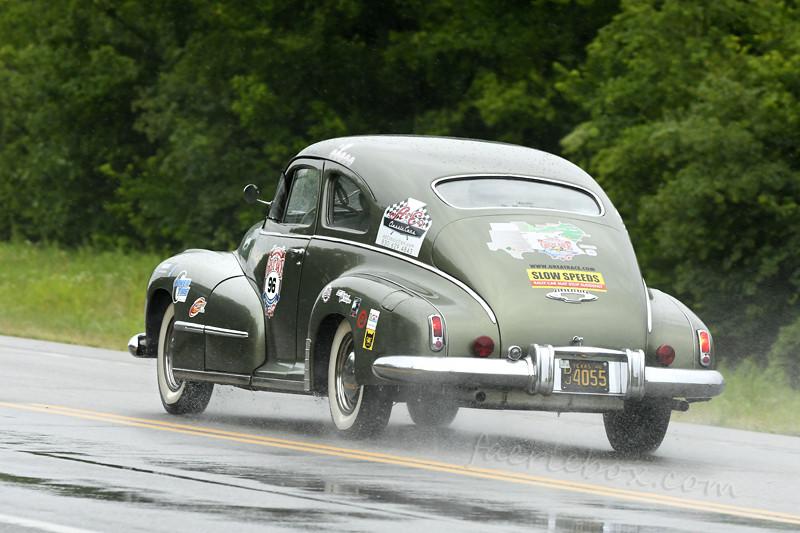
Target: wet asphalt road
(86, 446)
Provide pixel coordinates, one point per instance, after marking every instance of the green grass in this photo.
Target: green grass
(97, 299)
(80, 297)
(756, 398)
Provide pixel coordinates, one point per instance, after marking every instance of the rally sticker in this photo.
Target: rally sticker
(354, 307)
(272, 279)
(339, 154)
(180, 287)
(164, 269)
(343, 296)
(199, 306)
(372, 325)
(559, 241)
(404, 226)
(546, 278)
(326, 294)
(362, 319)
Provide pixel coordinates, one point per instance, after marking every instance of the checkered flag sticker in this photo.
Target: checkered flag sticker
(410, 211)
(404, 226)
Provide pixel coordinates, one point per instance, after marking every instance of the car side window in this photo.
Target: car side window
(348, 207)
(302, 206)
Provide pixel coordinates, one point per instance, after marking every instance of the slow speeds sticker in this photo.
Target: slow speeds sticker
(545, 278)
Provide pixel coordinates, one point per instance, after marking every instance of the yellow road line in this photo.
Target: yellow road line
(415, 463)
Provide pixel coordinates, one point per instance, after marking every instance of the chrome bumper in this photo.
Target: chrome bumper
(137, 346)
(536, 373)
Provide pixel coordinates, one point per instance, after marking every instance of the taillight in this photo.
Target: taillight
(436, 332)
(704, 338)
(665, 354)
(483, 346)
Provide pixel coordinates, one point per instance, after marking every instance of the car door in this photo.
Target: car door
(276, 263)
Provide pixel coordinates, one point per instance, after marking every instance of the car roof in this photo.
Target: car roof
(424, 159)
(399, 167)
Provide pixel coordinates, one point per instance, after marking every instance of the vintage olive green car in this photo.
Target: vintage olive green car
(439, 272)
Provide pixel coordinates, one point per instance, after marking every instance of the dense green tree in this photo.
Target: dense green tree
(693, 132)
(123, 121)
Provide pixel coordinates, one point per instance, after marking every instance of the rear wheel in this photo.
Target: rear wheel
(177, 396)
(358, 412)
(432, 411)
(639, 428)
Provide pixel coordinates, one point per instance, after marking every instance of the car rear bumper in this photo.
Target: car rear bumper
(538, 373)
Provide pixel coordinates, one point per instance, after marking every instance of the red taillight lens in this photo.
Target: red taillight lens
(666, 355)
(436, 329)
(436, 326)
(705, 346)
(483, 346)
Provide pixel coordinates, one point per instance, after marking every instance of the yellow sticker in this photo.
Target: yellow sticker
(369, 338)
(545, 278)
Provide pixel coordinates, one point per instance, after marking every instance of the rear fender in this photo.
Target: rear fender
(402, 326)
(676, 325)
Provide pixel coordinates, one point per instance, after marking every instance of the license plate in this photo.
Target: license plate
(584, 376)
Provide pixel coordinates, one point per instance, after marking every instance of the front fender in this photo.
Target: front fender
(182, 280)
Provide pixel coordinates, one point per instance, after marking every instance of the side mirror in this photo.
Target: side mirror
(250, 194)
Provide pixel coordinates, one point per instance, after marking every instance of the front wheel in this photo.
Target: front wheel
(358, 412)
(177, 397)
(639, 428)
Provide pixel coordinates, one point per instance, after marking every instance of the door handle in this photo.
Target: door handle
(298, 251)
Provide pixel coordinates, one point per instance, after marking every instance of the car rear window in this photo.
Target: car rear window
(502, 192)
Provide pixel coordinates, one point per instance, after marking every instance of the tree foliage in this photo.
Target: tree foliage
(124, 122)
(693, 133)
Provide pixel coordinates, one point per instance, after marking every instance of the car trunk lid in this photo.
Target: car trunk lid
(549, 281)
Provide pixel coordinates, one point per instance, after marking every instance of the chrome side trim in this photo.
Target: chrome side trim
(292, 235)
(307, 368)
(217, 377)
(420, 264)
(517, 176)
(191, 327)
(278, 384)
(649, 309)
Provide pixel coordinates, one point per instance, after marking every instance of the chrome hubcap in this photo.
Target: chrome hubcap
(347, 391)
(169, 349)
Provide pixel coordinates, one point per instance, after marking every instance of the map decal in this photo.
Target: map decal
(559, 241)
